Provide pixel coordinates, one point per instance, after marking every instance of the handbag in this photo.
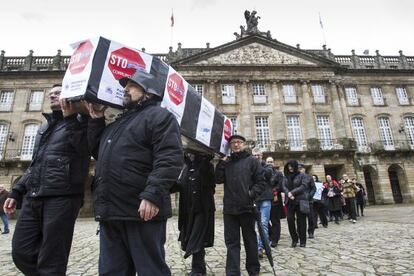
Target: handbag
(284, 211)
(304, 206)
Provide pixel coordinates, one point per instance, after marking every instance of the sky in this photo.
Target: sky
(45, 26)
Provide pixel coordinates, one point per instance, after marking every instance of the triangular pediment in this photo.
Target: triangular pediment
(255, 51)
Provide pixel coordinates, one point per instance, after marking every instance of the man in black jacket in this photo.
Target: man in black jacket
(53, 188)
(297, 188)
(139, 158)
(264, 201)
(243, 179)
(311, 192)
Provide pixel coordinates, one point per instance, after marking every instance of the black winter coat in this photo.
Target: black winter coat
(243, 179)
(267, 194)
(60, 161)
(299, 184)
(139, 156)
(196, 208)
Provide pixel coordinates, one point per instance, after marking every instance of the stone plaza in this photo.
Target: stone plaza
(380, 243)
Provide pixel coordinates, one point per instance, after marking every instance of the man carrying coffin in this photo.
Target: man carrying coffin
(243, 178)
(51, 190)
(139, 158)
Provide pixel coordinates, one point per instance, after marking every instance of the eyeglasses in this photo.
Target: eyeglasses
(236, 142)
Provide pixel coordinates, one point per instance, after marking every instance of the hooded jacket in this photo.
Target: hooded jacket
(139, 156)
(297, 183)
(244, 182)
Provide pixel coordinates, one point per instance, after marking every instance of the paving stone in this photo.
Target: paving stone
(376, 244)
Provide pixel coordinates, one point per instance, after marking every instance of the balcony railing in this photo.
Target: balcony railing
(394, 145)
(228, 100)
(11, 155)
(290, 99)
(259, 99)
(312, 145)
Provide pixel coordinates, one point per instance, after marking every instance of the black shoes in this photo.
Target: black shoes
(294, 243)
(5, 232)
(302, 245)
(310, 236)
(273, 244)
(337, 222)
(325, 225)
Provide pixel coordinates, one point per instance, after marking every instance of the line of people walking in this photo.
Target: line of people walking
(139, 163)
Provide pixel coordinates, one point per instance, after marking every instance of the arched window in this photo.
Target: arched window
(4, 130)
(409, 129)
(387, 139)
(30, 132)
(358, 130)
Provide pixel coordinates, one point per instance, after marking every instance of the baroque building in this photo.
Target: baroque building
(336, 114)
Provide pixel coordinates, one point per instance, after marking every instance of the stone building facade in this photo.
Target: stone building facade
(336, 114)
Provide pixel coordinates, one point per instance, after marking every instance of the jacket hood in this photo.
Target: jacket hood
(294, 164)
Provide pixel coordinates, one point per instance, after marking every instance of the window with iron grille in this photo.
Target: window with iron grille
(259, 89)
(30, 132)
(233, 120)
(351, 95)
(376, 95)
(358, 130)
(289, 93)
(228, 94)
(36, 100)
(198, 88)
(385, 132)
(262, 131)
(294, 132)
(409, 129)
(318, 93)
(402, 96)
(4, 131)
(324, 131)
(6, 100)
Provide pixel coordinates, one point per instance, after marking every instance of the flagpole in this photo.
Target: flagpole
(171, 26)
(323, 30)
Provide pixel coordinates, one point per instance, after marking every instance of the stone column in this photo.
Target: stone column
(212, 92)
(278, 120)
(344, 110)
(385, 192)
(337, 112)
(408, 197)
(309, 120)
(246, 118)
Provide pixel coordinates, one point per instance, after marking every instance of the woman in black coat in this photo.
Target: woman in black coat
(333, 194)
(196, 209)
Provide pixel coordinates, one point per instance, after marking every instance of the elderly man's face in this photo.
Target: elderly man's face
(54, 95)
(270, 161)
(258, 155)
(236, 145)
(132, 93)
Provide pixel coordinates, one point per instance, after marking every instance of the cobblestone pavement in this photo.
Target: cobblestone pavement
(381, 243)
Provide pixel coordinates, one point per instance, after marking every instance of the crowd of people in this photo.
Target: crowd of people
(139, 163)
